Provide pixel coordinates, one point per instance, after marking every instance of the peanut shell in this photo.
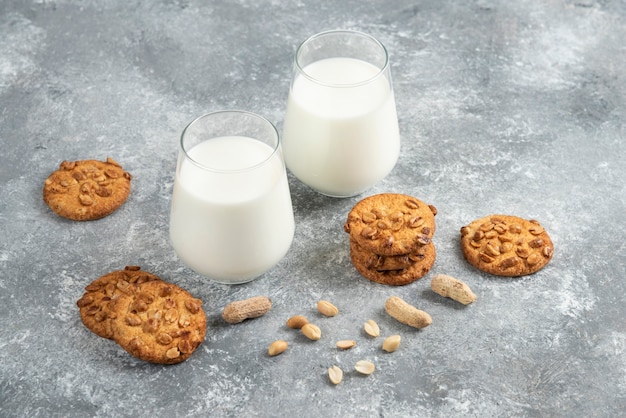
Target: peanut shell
(455, 289)
(407, 314)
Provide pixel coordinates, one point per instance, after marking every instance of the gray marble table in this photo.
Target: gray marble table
(504, 107)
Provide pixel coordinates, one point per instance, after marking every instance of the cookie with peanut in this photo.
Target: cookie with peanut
(95, 304)
(418, 264)
(85, 190)
(506, 245)
(391, 224)
(159, 322)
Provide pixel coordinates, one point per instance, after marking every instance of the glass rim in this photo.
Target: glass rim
(237, 170)
(311, 38)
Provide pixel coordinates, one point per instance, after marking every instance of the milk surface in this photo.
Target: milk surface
(234, 226)
(341, 139)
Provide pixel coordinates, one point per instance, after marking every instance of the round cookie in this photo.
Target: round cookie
(506, 245)
(160, 322)
(94, 305)
(424, 259)
(389, 262)
(378, 262)
(86, 190)
(391, 224)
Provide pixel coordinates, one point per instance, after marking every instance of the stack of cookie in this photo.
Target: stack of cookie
(151, 319)
(391, 238)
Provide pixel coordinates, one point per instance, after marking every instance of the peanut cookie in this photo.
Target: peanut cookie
(365, 262)
(86, 190)
(506, 245)
(391, 224)
(378, 262)
(94, 305)
(160, 322)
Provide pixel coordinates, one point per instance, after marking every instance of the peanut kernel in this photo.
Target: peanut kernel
(277, 347)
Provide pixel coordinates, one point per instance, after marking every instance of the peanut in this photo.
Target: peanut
(312, 332)
(277, 347)
(335, 374)
(239, 311)
(407, 314)
(345, 344)
(391, 343)
(297, 322)
(371, 328)
(455, 289)
(326, 308)
(364, 367)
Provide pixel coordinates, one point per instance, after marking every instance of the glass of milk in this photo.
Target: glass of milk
(231, 218)
(340, 134)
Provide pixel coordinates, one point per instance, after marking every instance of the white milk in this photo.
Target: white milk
(341, 140)
(231, 227)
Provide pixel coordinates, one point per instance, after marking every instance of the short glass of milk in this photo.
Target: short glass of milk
(231, 216)
(340, 134)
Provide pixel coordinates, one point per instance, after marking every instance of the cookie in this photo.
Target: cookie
(422, 261)
(391, 224)
(159, 323)
(378, 262)
(86, 190)
(94, 305)
(506, 245)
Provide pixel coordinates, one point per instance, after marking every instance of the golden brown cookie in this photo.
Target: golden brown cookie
(86, 190)
(422, 261)
(94, 305)
(506, 245)
(160, 322)
(391, 224)
(378, 262)
(389, 262)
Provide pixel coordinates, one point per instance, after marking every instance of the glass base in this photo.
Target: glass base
(343, 196)
(232, 282)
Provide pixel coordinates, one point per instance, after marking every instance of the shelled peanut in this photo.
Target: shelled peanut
(326, 308)
(335, 375)
(365, 367)
(277, 347)
(371, 328)
(311, 331)
(297, 322)
(391, 343)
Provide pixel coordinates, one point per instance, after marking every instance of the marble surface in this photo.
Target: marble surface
(504, 107)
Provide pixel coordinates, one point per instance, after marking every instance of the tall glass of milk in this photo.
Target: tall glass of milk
(231, 217)
(340, 134)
